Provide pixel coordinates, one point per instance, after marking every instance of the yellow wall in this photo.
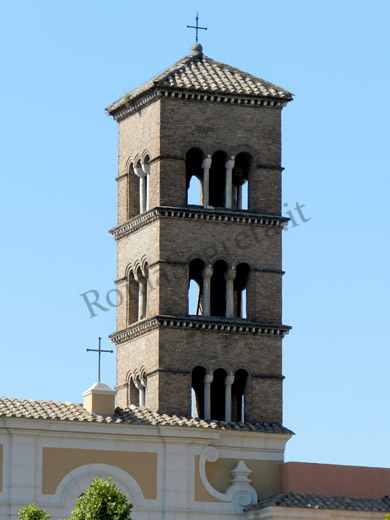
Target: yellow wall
(58, 462)
(264, 476)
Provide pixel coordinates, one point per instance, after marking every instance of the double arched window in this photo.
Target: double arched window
(217, 290)
(138, 389)
(218, 395)
(219, 180)
(137, 293)
(141, 169)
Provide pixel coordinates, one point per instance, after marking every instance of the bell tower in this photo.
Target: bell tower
(199, 324)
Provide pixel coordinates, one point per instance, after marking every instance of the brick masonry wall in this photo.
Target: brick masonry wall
(175, 242)
(166, 129)
(177, 350)
(230, 128)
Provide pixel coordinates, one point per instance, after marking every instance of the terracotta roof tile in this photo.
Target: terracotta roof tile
(300, 500)
(57, 411)
(199, 73)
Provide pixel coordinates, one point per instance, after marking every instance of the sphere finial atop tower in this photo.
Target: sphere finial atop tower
(196, 50)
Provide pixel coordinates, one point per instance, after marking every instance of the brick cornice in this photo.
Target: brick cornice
(209, 324)
(153, 94)
(191, 213)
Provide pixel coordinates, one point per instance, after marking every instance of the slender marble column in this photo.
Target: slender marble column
(206, 190)
(142, 188)
(206, 274)
(230, 276)
(229, 165)
(229, 380)
(141, 393)
(208, 379)
(142, 295)
(146, 170)
(143, 383)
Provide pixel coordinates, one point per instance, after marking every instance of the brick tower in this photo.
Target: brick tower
(199, 327)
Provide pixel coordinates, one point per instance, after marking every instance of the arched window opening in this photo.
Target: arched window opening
(195, 288)
(133, 294)
(218, 289)
(218, 180)
(133, 192)
(194, 192)
(194, 176)
(141, 170)
(218, 395)
(133, 393)
(239, 287)
(197, 392)
(240, 181)
(141, 277)
(238, 395)
(137, 295)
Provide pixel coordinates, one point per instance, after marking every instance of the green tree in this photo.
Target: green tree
(103, 500)
(33, 512)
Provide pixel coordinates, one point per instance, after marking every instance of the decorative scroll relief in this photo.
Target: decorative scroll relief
(240, 493)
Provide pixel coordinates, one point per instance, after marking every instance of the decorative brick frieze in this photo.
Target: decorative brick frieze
(234, 326)
(212, 215)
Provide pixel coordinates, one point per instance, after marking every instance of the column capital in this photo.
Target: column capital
(206, 163)
(139, 276)
(139, 171)
(229, 165)
(207, 272)
(138, 384)
(208, 378)
(231, 274)
(145, 168)
(229, 379)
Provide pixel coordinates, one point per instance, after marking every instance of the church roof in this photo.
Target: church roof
(200, 74)
(58, 411)
(290, 499)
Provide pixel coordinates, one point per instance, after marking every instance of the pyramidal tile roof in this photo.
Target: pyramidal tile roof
(199, 73)
(57, 411)
(308, 501)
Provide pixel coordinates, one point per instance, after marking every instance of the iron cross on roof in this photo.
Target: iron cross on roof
(196, 27)
(100, 350)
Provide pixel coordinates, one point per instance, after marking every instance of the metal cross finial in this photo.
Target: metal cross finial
(100, 350)
(196, 27)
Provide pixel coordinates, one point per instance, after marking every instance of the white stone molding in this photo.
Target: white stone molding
(210, 454)
(79, 479)
(240, 492)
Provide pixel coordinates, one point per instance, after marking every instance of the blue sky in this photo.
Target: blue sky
(64, 62)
